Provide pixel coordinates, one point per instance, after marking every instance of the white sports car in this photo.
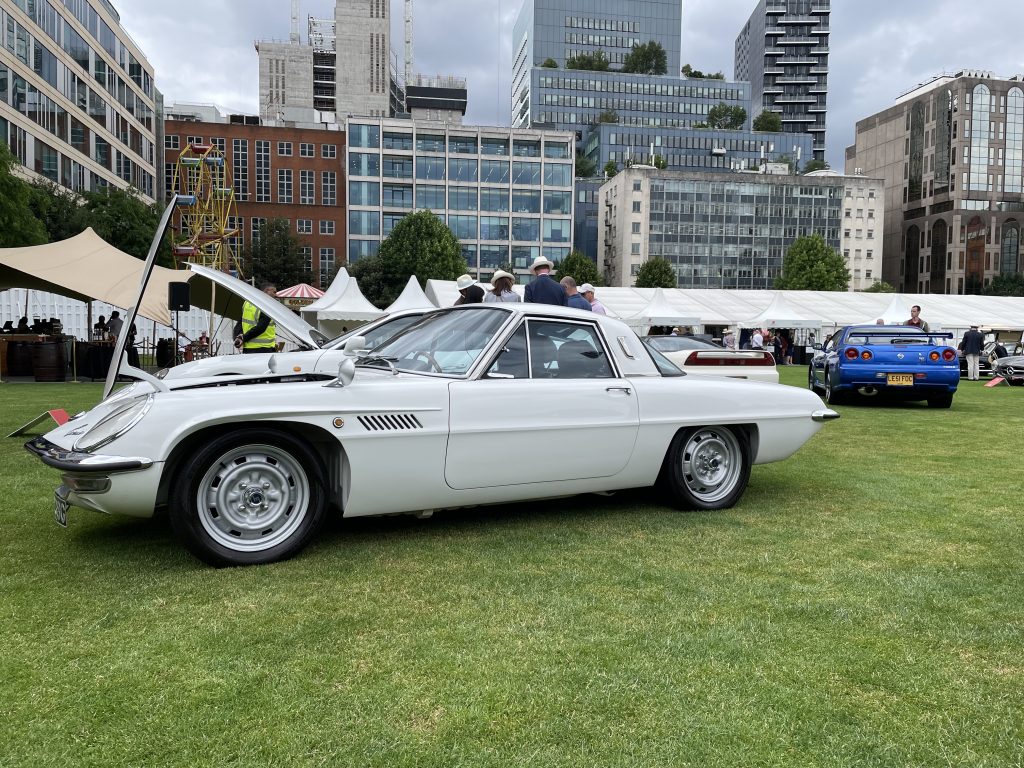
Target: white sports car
(313, 350)
(480, 404)
(700, 357)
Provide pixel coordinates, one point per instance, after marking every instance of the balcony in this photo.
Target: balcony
(796, 80)
(772, 31)
(798, 20)
(820, 9)
(795, 99)
(802, 118)
(774, 8)
(797, 41)
(797, 61)
(821, 50)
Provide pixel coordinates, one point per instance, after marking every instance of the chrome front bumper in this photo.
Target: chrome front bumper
(78, 461)
(825, 414)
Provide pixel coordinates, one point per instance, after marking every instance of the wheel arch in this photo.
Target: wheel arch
(323, 443)
(749, 430)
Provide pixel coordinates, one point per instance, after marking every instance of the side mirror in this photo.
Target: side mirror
(354, 346)
(817, 347)
(346, 372)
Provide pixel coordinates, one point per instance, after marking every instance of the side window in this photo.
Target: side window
(561, 351)
(511, 360)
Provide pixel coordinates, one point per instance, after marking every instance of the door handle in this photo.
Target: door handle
(627, 390)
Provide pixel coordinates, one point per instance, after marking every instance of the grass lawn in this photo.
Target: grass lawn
(862, 606)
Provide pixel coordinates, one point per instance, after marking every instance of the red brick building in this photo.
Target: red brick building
(277, 171)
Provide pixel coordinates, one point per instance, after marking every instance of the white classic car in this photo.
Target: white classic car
(313, 351)
(480, 404)
(697, 356)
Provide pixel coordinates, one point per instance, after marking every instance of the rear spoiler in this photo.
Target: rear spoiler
(936, 335)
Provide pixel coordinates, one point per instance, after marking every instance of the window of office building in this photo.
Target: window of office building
(326, 226)
(464, 227)
(557, 231)
(397, 196)
(360, 164)
(396, 140)
(240, 168)
(430, 168)
(304, 226)
(364, 136)
(361, 249)
(307, 193)
(493, 256)
(363, 223)
(397, 167)
(526, 174)
(462, 145)
(494, 228)
(525, 229)
(390, 221)
(526, 201)
(494, 147)
(307, 150)
(557, 202)
(262, 171)
(526, 148)
(328, 188)
(284, 148)
(558, 174)
(429, 142)
(494, 199)
(494, 171)
(430, 196)
(328, 151)
(284, 185)
(363, 193)
(462, 169)
(557, 150)
(462, 198)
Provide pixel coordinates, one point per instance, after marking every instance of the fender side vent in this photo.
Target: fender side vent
(389, 422)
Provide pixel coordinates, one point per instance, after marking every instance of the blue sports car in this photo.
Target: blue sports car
(894, 361)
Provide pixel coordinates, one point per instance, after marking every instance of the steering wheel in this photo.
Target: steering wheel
(430, 360)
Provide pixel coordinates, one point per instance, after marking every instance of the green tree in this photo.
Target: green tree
(814, 165)
(18, 224)
(610, 168)
(768, 121)
(421, 245)
(593, 62)
(696, 74)
(646, 59)
(660, 163)
(879, 286)
(724, 116)
(1006, 285)
(59, 209)
(585, 167)
(550, 63)
(125, 220)
(656, 272)
(580, 267)
(608, 116)
(810, 265)
(275, 256)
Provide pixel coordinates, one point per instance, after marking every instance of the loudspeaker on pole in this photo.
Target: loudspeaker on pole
(179, 297)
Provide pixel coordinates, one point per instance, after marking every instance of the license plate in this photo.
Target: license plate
(60, 507)
(899, 379)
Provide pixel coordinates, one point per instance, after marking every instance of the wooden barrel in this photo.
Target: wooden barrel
(49, 361)
(19, 358)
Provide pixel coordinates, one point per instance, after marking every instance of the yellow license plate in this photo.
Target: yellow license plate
(899, 379)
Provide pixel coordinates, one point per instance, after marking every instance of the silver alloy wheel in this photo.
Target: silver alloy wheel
(253, 497)
(712, 463)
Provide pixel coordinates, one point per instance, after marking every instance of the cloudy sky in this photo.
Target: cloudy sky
(879, 48)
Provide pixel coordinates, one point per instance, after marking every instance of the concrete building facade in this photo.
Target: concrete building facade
(782, 51)
(505, 193)
(717, 231)
(951, 153)
(278, 171)
(77, 98)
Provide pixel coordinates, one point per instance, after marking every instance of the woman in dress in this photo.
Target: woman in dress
(501, 290)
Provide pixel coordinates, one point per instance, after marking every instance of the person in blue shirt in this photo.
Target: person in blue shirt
(543, 289)
(572, 297)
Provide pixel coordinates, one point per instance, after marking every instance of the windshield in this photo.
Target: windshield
(446, 342)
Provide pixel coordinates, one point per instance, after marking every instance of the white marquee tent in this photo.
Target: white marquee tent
(412, 297)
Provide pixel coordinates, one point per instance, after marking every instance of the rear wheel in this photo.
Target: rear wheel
(832, 397)
(248, 497)
(707, 467)
(945, 400)
(810, 379)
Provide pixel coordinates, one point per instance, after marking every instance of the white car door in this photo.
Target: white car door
(550, 407)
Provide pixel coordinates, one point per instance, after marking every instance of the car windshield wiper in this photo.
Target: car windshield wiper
(374, 359)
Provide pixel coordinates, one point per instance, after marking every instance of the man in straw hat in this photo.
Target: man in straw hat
(543, 289)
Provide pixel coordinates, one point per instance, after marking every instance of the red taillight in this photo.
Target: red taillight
(933, 355)
(715, 358)
(852, 354)
(866, 354)
(949, 355)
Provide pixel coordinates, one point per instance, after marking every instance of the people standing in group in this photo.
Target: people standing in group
(587, 292)
(971, 345)
(915, 319)
(256, 332)
(114, 325)
(572, 296)
(99, 329)
(501, 288)
(469, 291)
(543, 289)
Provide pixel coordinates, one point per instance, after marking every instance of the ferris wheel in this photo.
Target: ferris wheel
(204, 229)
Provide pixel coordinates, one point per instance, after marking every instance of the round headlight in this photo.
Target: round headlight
(114, 424)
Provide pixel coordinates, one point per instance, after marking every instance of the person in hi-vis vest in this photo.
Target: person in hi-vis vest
(256, 331)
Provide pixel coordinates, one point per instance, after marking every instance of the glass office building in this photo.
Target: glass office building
(77, 101)
(718, 232)
(505, 193)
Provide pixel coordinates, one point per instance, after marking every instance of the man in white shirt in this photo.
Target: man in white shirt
(587, 291)
(757, 340)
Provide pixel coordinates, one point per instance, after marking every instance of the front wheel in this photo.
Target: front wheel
(707, 467)
(248, 497)
(944, 400)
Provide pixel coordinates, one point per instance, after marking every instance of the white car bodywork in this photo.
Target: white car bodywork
(446, 420)
(701, 358)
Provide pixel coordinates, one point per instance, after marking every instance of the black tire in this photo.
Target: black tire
(264, 498)
(707, 467)
(945, 400)
(831, 396)
(810, 379)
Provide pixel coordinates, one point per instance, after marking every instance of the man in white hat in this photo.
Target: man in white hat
(587, 291)
(470, 292)
(971, 345)
(543, 289)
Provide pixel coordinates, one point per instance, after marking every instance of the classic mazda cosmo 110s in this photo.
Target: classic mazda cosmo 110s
(470, 405)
